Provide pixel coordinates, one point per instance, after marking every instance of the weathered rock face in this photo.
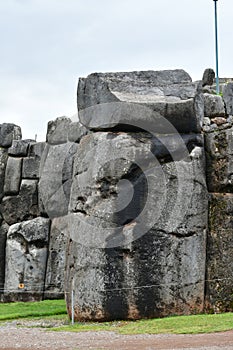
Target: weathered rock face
(220, 253)
(167, 94)
(219, 157)
(139, 200)
(26, 257)
(54, 283)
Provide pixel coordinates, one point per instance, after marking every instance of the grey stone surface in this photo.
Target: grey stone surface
(219, 158)
(31, 168)
(152, 231)
(58, 131)
(219, 288)
(26, 256)
(145, 97)
(8, 133)
(54, 284)
(208, 77)
(76, 132)
(228, 97)
(12, 176)
(214, 106)
(22, 207)
(3, 235)
(19, 148)
(55, 180)
(3, 163)
(31, 164)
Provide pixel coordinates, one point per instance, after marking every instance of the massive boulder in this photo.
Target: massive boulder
(26, 258)
(104, 98)
(138, 207)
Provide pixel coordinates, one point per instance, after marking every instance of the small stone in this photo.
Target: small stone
(208, 77)
(219, 120)
(206, 121)
(214, 106)
(230, 119)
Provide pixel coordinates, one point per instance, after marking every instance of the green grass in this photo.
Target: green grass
(32, 309)
(174, 325)
(56, 310)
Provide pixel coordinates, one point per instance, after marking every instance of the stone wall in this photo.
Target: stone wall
(130, 207)
(35, 181)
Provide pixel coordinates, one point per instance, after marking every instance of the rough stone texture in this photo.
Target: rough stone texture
(160, 271)
(3, 163)
(55, 180)
(3, 235)
(54, 284)
(19, 148)
(26, 258)
(76, 132)
(12, 176)
(219, 289)
(58, 130)
(22, 207)
(137, 200)
(145, 97)
(219, 158)
(214, 106)
(208, 77)
(228, 97)
(8, 133)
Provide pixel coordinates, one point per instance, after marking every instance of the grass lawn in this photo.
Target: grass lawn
(32, 309)
(175, 325)
(56, 309)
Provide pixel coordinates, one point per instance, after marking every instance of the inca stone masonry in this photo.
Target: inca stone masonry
(130, 206)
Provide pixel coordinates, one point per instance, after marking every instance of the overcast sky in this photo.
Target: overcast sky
(46, 45)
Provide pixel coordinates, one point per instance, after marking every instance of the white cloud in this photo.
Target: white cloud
(47, 44)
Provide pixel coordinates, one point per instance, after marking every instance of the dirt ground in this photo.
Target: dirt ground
(13, 337)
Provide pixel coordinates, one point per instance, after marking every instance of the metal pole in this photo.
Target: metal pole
(72, 307)
(216, 46)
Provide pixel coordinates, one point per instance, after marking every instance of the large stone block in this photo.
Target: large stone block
(55, 181)
(8, 133)
(20, 148)
(146, 222)
(22, 207)
(13, 176)
(3, 235)
(26, 257)
(3, 163)
(219, 159)
(139, 99)
(219, 287)
(31, 164)
(58, 131)
(54, 284)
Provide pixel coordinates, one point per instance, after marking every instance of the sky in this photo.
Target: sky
(46, 45)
